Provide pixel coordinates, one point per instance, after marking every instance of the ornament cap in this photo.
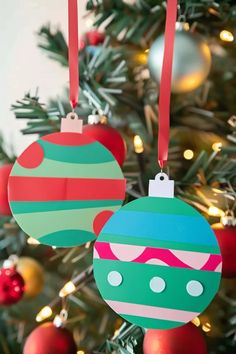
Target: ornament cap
(11, 262)
(71, 123)
(60, 319)
(161, 186)
(94, 119)
(228, 219)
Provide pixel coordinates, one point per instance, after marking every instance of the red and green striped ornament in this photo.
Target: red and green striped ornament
(64, 187)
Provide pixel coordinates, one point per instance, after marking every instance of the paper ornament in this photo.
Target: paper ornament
(63, 185)
(156, 261)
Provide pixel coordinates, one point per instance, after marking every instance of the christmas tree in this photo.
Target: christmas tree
(120, 68)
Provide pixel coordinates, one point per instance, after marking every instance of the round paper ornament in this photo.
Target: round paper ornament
(33, 275)
(183, 340)
(156, 261)
(49, 339)
(191, 62)
(62, 183)
(108, 137)
(11, 284)
(4, 175)
(226, 235)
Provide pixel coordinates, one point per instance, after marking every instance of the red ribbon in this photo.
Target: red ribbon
(165, 84)
(73, 52)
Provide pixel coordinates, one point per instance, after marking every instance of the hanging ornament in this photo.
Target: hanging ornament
(4, 175)
(183, 340)
(107, 136)
(11, 283)
(225, 232)
(62, 183)
(33, 275)
(65, 183)
(156, 261)
(49, 338)
(191, 64)
(94, 37)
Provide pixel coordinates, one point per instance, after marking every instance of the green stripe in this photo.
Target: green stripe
(135, 285)
(67, 238)
(86, 154)
(39, 224)
(151, 322)
(51, 168)
(35, 207)
(127, 240)
(162, 205)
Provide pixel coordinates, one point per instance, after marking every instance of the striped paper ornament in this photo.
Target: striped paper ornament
(64, 187)
(157, 263)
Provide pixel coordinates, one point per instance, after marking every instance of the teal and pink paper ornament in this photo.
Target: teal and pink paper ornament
(157, 262)
(64, 187)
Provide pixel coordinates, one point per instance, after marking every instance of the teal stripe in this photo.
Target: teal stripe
(94, 153)
(151, 322)
(135, 285)
(141, 241)
(162, 206)
(178, 228)
(67, 238)
(35, 207)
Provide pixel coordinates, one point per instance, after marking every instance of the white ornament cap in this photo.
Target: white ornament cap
(60, 319)
(11, 262)
(94, 119)
(161, 186)
(71, 123)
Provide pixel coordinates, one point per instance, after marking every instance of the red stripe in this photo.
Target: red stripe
(51, 189)
(68, 139)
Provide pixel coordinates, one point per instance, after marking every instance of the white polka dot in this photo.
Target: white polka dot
(194, 288)
(157, 284)
(114, 278)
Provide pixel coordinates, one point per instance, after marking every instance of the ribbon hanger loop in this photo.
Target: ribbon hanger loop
(165, 84)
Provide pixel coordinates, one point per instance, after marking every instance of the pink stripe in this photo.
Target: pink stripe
(125, 308)
(150, 255)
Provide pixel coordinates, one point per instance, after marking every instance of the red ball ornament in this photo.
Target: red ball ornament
(12, 286)
(94, 37)
(108, 137)
(49, 339)
(181, 340)
(226, 236)
(4, 175)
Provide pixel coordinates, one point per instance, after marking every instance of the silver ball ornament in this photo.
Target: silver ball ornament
(191, 61)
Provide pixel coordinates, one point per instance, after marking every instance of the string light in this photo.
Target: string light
(217, 146)
(214, 211)
(188, 154)
(67, 289)
(32, 241)
(196, 321)
(206, 327)
(138, 144)
(226, 36)
(46, 312)
(80, 352)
